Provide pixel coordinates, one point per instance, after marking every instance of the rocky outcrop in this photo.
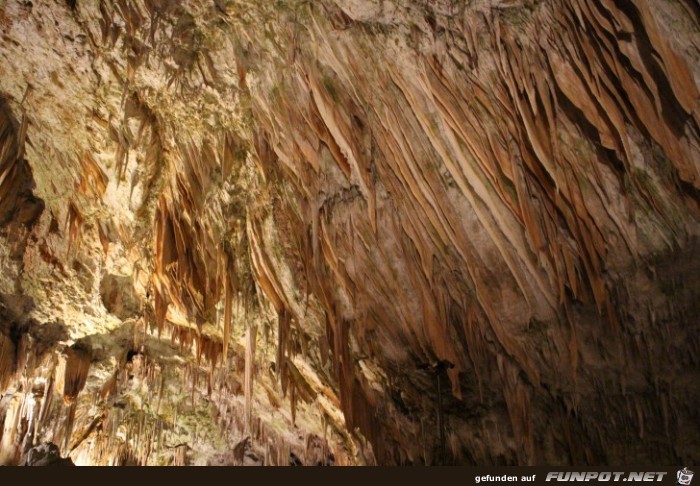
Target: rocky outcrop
(46, 455)
(118, 296)
(351, 232)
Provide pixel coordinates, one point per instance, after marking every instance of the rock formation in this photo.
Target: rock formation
(350, 231)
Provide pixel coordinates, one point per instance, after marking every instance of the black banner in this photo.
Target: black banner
(428, 476)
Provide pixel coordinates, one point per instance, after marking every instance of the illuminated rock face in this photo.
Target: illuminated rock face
(350, 231)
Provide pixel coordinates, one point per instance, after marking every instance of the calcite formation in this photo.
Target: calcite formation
(350, 231)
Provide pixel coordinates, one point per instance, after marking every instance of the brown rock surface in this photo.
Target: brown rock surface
(254, 232)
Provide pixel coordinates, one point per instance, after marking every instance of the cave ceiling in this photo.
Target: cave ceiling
(350, 232)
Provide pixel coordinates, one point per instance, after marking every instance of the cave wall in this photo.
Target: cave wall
(295, 224)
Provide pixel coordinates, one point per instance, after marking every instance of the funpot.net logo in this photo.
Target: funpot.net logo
(683, 476)
(568, 476)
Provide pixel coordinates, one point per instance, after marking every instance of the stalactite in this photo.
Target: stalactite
(10, 438)
(74, 221)
(477, 206)
(7, 361)
(71, 376)
(72, 372)
(46, 404)
(228, 299)
(161, 309)
(68, 429)
(109, 389)
(284, 320)
(250, 337)
(180, 455)
(293, 402)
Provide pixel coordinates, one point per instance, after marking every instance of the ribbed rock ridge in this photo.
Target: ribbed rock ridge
(350, 231)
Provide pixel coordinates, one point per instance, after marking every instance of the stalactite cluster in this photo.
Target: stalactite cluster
(349, 232)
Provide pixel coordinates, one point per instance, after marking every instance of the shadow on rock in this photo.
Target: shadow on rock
(46, 454)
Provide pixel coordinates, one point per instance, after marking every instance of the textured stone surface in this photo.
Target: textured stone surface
(46, 454)
(262, 224)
